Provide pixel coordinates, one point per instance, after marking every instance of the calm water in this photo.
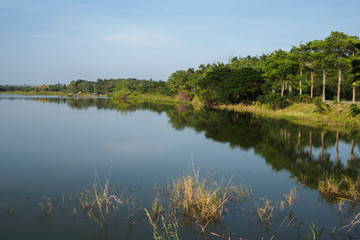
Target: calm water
(54, 146)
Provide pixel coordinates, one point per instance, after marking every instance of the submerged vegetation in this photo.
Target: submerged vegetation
(199, 200)
(342, 187)
(202, 202)
(97, 203)
(194, 201)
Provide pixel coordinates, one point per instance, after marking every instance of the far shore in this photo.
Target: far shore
(336, 117)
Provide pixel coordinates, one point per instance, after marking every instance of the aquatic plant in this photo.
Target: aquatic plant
(352, 224)
(45, 205)
(314, 233)
(266, 212)
(200, 199)
(131, 206)
(291, 197)
(98, 202)
(157, 208)
(165, 226)
(340, 187)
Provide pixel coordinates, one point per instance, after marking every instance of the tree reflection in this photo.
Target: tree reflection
(307, 153)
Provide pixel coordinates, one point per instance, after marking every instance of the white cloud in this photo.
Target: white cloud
(142, 38)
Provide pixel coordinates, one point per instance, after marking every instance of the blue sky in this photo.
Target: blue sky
(57, 41)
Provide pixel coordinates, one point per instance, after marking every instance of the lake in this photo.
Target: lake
(53, 149)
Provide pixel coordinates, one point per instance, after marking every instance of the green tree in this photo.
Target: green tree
(277, 68)
(299, 54)
(323, 60)
(339, 52)
(179, 80)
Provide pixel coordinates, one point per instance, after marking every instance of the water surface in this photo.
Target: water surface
(53, 146)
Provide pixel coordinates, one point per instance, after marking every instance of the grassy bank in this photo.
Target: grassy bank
(336, 116)
(157, 98)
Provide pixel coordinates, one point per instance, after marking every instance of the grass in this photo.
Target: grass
(158, 98)
(195, 201)
(98, 202)
(266, 212)
(291, 197)
(45, 205)
(336, 116)
(313, 233)
(157, 208)
(198, 199)
(340, 188)
(165, 226)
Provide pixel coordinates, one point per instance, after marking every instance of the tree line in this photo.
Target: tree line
(28, 88)
(328, 69)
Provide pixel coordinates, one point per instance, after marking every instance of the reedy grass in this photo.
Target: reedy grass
(96, 204)
(352, 224)
(45, 205)
(344, 188)
(201, 200)
(157, 208)
(266, 212)
(291, 197)
(198, 200)
(165, 226)
(314, 233)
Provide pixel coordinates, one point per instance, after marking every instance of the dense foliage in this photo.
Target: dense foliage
(326, 68)
(27, 88)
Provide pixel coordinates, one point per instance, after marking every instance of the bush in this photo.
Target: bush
(354, 110)
(305, 99)
(274, 100)
(319, 105)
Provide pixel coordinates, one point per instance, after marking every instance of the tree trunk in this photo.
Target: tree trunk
(322, 145)
(312, 84)
(339, 85)
(337, 148)
(324, 83)
(290, 86)
(282, 88)
(310, 149)
(301, 73)
(353, 100)
(298, 145)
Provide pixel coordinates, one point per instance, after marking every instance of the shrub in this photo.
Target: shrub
(319, 105)
(274, 100)
(305, 99)
(354, 110)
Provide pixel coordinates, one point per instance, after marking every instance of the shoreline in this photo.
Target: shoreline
(336, 116)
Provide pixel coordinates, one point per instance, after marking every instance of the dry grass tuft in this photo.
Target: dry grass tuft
(291, 197)
(202, 200)
(342, 188)
(97, 203)
(266, 212)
